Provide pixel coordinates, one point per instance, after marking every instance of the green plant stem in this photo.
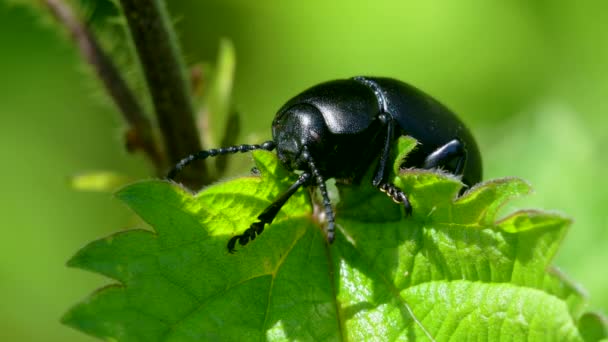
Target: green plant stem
(140, 135)
(160, 58)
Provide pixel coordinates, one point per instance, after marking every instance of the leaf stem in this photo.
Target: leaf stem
(140, 135)
(159, 54)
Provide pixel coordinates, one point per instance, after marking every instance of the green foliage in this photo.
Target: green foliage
(451, 271)
(219, 99)
(102, 181)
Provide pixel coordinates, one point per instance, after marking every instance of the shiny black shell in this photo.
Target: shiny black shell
(354, 134)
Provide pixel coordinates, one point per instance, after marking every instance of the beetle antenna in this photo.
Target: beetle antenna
(268, 146)
(329, 212)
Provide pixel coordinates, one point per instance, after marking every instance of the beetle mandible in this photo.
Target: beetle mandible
(337, 129)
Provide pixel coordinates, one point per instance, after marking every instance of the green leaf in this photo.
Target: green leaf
(218, 99)
(594, 326)
(102, 181)
(220, 89)
(454, 270)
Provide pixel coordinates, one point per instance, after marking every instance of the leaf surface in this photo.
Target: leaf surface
(454, 270)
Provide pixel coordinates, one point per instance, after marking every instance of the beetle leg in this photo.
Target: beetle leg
(379, 180)
(329, 212)
(268, 215)
(381, 170)
(453, 150)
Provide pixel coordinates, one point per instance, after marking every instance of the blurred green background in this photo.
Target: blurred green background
(529, 77)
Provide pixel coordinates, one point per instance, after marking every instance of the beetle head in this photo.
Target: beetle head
(296, 127)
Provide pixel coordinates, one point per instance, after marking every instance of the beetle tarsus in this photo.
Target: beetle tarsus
(398, 196)
(231, 244)
(248, 235)
(268, 215)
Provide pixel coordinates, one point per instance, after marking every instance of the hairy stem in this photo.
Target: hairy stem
(160, 58)
(140, 135)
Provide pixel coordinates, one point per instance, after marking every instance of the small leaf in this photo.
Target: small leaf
(482, 202)
(219, 96)
(103, 181)
(594, 326)
(454, 270)
(558, 284)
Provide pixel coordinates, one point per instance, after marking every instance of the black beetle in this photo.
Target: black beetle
(337, 129)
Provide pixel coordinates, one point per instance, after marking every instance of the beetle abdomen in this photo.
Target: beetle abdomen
(428, 121)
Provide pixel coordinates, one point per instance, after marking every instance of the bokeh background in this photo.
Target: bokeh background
(529, 77)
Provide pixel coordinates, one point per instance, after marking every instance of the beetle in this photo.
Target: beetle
(337, 129)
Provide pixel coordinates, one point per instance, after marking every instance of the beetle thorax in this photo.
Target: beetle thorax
(294, 129)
